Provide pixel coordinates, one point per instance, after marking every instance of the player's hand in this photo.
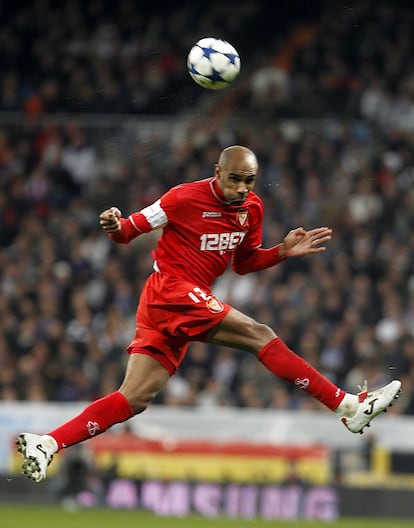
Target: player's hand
(299, 242)
(109, 220)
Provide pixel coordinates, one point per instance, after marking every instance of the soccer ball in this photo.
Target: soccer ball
(213, 63)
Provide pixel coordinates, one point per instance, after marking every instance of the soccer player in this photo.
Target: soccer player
(206, 225)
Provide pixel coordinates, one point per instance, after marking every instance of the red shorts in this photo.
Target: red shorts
(171, 313)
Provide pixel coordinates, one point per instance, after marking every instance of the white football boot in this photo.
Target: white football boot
(370, 405)
(37, 451)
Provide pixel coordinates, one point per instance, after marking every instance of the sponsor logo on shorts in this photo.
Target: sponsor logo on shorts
(214, 305)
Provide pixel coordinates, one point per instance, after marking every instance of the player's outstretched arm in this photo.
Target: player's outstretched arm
(299, 242)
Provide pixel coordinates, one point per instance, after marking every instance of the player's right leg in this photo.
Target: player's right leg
(144, 378)
(356, 411)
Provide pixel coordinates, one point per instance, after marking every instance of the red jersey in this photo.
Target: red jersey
(201, 232)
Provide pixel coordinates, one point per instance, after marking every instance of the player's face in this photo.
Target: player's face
(236, 182)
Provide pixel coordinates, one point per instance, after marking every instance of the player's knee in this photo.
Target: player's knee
(259, 335)
(265, 334)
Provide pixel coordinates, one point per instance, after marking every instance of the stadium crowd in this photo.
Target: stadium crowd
(68, 294)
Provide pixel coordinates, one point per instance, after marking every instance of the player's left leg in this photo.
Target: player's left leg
(356, 411)
(144, 378)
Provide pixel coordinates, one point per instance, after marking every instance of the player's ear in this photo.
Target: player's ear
(217, 171)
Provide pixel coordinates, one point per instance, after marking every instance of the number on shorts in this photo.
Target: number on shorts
(197, 295)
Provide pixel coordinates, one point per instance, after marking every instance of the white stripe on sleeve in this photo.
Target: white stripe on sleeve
(155, 215)
(131, 219)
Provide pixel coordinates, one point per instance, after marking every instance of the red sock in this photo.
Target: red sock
(93, 420)
(280, 360)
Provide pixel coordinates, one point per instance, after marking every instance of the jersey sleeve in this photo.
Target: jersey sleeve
(247, 262)
(155, 216)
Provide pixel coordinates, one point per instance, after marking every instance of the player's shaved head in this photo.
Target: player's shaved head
(236, 173)
(238, 158)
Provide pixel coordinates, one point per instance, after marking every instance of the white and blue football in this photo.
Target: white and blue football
(213, 63)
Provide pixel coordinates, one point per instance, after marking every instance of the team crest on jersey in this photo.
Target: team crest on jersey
(242, 217)
(214, 305)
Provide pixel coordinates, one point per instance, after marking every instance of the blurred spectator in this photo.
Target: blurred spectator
(79, 158)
